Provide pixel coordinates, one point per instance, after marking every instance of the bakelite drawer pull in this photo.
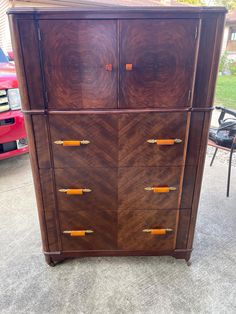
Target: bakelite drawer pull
(158, 231)
(165, 141)
(108, 67)
(74, 191)
(77, 233)
(129, 66)
(72, 143)
(164, 189)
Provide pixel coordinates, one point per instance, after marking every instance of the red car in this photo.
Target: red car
(13, 139)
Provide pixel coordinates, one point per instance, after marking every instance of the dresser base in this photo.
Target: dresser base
(54, 258)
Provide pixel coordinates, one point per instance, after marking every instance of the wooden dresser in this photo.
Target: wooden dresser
(117, 105)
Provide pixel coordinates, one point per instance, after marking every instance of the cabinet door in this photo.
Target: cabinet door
(157, 62)
(80, 63)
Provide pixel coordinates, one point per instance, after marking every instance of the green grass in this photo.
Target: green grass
(226, 91)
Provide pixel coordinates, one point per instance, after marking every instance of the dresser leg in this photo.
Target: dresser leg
(49, 261)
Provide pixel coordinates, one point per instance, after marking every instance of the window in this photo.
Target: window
(233, 36)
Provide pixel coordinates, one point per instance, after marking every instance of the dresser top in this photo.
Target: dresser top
(116, 10)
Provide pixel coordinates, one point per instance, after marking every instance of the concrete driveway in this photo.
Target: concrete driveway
(116, 285)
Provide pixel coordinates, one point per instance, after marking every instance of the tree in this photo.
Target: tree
(229, 4)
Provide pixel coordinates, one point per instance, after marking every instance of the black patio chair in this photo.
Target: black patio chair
(224, 137)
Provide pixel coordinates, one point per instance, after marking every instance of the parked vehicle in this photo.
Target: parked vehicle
(13, 139)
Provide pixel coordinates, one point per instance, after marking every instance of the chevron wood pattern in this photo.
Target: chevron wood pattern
(102, 182)
(76, 85)
(162, 53)
(76, 53)
(100, 130)
(131, 224)
(136, 129)
(103, 223)
(132, 181)
(119, 140)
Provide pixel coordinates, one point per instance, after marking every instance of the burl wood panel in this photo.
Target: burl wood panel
(136, 129)
(162, 53)
(132, 181)
(31, 58)
(102, 182)
(104, 225)
(75, 56)
(132, 223)
(100, 130)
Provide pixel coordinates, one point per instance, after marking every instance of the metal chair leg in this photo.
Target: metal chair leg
(229, 170)
(213, 157)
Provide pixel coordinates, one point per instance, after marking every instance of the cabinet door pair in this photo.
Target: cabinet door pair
(119, 64)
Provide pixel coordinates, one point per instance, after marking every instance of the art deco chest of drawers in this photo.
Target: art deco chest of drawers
(117, 104)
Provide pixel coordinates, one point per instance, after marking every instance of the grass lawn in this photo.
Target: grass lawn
(226, 91)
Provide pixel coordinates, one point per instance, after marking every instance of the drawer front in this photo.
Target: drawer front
(103, 226)
(100, 130)
(133, 181)
(132, 223)
(101, 181)
(136, 129)
(119, 139)
(157, 62)
(80, 63)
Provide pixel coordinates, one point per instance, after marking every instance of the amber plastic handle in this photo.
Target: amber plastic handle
(158, 231)
(77, 233)
(165, 141)
(74, 191)
(72, 142)
(129, 66)
(160, 189)
(108, 67)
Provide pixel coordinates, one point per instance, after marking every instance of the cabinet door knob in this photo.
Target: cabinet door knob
(72, 142)
(75, 191)
(160, 189)
(108, 67)
(77, 233)
(129, 66)
(158, 231)
(165, 141)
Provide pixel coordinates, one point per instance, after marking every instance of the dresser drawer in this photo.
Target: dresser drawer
(100, 183)
(133, 181)
(119, 139)
(99, 129)
(100, 227)
(135, 129)
(135, 230)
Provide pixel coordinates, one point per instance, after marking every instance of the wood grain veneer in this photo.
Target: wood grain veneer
(117, 77)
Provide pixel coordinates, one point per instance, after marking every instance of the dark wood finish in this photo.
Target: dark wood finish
(103, 224)
(100, 130)
(76, 53)
(136, 129)
(131, 225)
(162, 53)
(42, 140)
(102, 182)
(132, 181)
(117, 77)
(31, 56)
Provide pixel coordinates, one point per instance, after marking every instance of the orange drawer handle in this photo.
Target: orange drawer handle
(77, 233)
(158, 231)
(165, 141)
(108, 67)
(129, 66)
(72, 143)
(164, 189)
(74, 191)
